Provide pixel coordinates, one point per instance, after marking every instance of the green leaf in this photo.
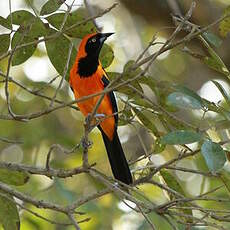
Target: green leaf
(13, 177)
(224, 26)
(182, 100)
(22, 54)
(146, 122)
(9, 216)
(128, 66)
(20, 17)
(5, 43)
(51, 6)
(63, 191)
(158, 146)
(37, 28)
(29, 32)
(172, 182)
(126, 116)
(189, 92)
(221, 125)
(216, 65)
(5, 23)
(148, 81)
(113, 75)
(214, 155)
(106, 56)
(125, 90)
(57, 51)
(222, 91)
(225, 177)
(185, 98)
(214, 61)
(139, 101)
(212, 39)
(127, 74)
(73, 20)
(181, 137)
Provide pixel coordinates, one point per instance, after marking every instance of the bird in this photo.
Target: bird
(87, 76)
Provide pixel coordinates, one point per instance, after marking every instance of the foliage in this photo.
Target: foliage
(41, 159)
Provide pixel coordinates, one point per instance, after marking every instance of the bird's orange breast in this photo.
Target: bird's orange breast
(84, 86)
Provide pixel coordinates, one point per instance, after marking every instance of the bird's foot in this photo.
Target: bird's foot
(86, 144)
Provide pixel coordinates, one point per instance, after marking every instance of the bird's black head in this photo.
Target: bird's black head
(95, 43)
(91, 46)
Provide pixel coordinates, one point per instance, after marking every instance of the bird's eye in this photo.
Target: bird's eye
(94, 40)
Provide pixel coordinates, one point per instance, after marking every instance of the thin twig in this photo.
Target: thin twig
(73, 220)
(6, 140)
(91, 13)
(63, 150)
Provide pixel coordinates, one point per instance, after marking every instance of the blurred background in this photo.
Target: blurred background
(134, 23)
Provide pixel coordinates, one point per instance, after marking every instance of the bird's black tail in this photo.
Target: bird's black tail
(118, 162)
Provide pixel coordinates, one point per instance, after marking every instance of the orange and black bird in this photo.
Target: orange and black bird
(87, 76)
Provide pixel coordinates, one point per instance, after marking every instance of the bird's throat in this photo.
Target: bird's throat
(87, 66)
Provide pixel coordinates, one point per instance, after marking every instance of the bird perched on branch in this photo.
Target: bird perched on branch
(87, 77)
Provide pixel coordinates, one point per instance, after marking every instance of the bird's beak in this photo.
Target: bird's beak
(104, 36)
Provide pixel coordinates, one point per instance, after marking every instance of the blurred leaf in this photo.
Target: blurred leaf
(212, 39)
(125, 116)
(22, 54)
(148, 81)
(171, 182)
(158, 146)
(64, 192)
(216, 65)
(181, 137)
(210, 106)
(58, 53)
(51, 6)
(214, 155)
(224, 26)
(197, 101)
(185, 90)
(74, 18)
(146, 122)
(112, 76)
(125, 90)
(13, 177)
(127, 74)
(128, 68)
(20, 17)
(5, 43)
(5, 23)
(214, 61)
(140, 102)
(225, 176)
(106, 56)
(221, 125)
(9, 216)
(222, 91)
(182, 100)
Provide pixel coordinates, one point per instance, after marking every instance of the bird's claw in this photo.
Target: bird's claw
(86, 144)
(99, 115)
(97, 118)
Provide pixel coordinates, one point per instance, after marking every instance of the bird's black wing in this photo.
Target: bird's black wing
(112, 98)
